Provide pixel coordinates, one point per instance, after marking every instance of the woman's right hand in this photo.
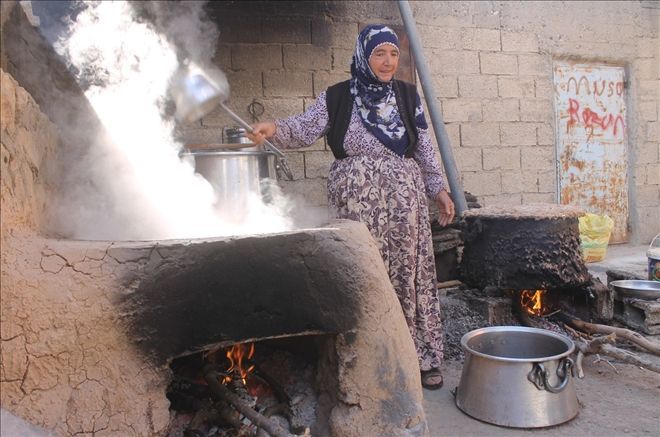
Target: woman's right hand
(261, 131)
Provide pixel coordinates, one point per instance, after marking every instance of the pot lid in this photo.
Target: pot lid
(220, 146)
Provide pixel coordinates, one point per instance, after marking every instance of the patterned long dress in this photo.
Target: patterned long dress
(387, 193)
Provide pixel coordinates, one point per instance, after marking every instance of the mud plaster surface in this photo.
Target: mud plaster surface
(69, 364)
(529, 211)
(66, 366)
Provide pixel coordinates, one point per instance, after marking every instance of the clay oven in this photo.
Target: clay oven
(532, 255)
(92, 326)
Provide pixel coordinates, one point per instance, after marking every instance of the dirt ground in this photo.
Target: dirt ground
(621, 402)
(626, 403)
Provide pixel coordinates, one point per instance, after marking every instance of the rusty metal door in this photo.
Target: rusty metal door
(592, 158)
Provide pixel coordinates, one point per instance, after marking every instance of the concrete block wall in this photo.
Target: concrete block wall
(492, 72)
(276, 67)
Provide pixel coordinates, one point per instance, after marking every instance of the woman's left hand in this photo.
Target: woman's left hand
(446, 207)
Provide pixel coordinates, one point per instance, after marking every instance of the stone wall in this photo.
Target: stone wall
(83, 152)
(28, 142)
(492, 68)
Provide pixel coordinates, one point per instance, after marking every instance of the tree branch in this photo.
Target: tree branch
(626, 334)
(603, 345)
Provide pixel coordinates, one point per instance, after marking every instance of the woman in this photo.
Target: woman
(385, 167)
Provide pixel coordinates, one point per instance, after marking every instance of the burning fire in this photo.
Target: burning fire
(236, 354)
(532, 301)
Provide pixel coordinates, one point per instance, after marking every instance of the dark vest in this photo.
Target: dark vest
(340, 106)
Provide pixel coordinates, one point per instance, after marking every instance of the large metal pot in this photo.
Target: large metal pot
(236, 175)
(517, 377)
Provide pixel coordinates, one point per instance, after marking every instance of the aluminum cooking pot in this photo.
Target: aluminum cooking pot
(198, 91)
(517, 377)
(236, 175)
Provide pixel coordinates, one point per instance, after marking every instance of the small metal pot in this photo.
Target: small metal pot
(517, 377)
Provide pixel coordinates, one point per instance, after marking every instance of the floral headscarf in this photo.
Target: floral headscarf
(375, 100)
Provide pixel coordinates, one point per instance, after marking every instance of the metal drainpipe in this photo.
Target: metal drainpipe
(438, 123)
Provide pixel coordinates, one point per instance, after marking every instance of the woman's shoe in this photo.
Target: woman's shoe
(432, 379)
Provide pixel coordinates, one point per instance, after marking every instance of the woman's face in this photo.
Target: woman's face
(384, 61)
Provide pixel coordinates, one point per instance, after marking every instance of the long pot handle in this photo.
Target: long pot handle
(539, 376)
(244, 124)
(282, 164)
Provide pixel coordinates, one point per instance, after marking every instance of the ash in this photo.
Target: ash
(293, 378)
(458, 318)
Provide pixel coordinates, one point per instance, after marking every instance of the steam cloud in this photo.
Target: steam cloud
(187, 26)
(142, 190)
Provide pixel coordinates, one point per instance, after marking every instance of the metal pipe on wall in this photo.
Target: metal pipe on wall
(453, 176)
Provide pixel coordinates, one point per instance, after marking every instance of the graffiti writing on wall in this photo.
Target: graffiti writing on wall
(592, 119)
(591, 140)
(612, 87)
(592, 103)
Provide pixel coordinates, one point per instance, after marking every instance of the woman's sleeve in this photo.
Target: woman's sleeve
(303, 129)
(429, 164)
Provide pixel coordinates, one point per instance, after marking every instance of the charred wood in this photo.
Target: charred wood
(449, 284)
(626, 334)
(273, 384)
(629, 357)
(229, 415)
(524, 318)
(276, 419)
(540, 322)
(604, 345)
(255, 417)
(587, 347)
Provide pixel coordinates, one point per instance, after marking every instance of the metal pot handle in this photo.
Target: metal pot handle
(281, 164)
(283, 167)
(539, 376)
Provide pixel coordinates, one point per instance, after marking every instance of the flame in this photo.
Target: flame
(236, 354)
(532, 301)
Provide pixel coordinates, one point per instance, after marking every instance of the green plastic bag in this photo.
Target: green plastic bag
(595, 233)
